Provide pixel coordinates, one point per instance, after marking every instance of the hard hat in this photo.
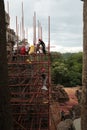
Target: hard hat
(43, 69)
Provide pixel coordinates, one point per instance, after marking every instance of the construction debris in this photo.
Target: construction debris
(59, 94)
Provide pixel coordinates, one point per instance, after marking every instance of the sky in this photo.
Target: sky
(66, 21)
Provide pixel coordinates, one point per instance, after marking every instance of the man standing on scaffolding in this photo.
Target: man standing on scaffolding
(43, 46)
(44, 79)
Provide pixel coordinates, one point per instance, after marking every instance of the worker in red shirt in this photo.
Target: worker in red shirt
(23, 50)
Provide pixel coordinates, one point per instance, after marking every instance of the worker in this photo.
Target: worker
(44, 79)
(23, 50)
(14, 54)
(32, 49)
(37, 48)
(78, 94)
(27, 49)
(43, 46)
(62, 115)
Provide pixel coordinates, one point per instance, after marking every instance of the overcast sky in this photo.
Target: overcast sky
(66, 21)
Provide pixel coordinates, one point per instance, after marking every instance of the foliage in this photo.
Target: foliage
(66, 69)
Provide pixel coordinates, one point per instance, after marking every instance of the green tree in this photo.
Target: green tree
(5, 113)
(74, 64)
(59, 72)
(55, 56)
(67, 69)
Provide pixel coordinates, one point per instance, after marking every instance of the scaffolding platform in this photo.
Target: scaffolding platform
(29, 100)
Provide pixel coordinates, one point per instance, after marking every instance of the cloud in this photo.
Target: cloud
(64, 49)
(66, 20)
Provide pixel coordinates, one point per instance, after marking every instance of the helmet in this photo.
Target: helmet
(43, 69)
(39, 39)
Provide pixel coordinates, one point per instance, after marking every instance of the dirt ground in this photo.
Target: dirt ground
(56, 108)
